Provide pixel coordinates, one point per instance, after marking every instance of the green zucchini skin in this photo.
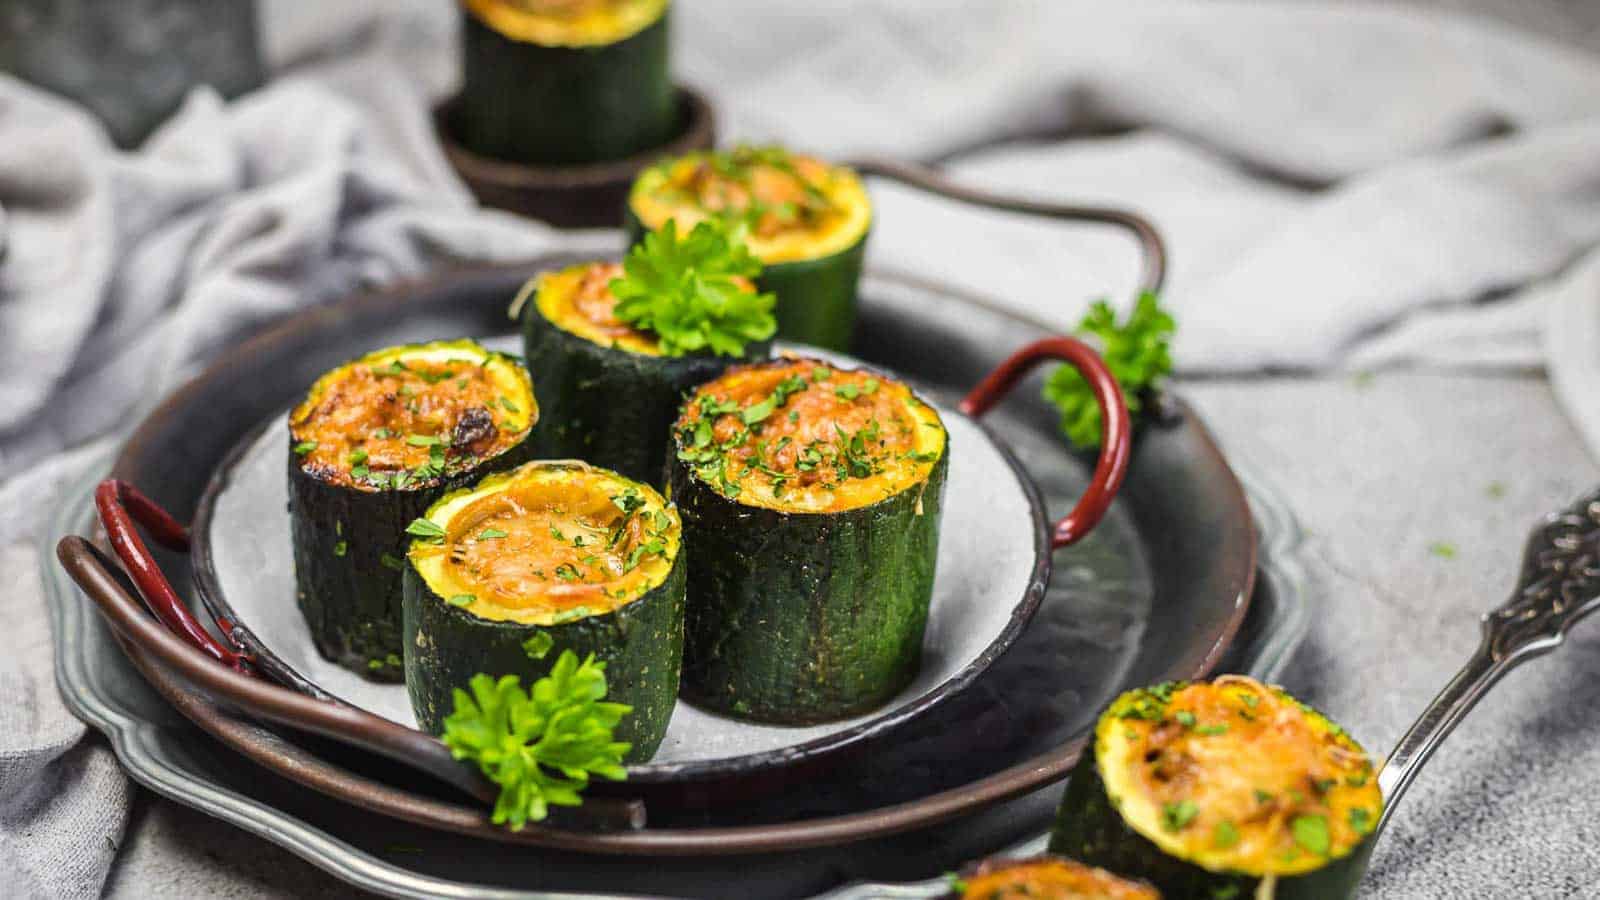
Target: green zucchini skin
(796, 618)
(351, 602)
(551, 105)
(640, 643)
(1089, 829)
(816, 297)
(607, 406)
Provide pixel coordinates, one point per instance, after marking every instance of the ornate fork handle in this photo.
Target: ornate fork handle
(1560, 584)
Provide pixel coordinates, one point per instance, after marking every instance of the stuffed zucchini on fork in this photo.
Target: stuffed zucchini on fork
(373, 443)
(811, 498)
(807, 222)
(1222, 790)
(616, 346)
(551, 556)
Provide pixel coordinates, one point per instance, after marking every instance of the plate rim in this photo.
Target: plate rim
(208, 587)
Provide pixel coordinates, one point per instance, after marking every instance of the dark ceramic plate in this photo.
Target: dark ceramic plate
(987, 587)
(1158, 591)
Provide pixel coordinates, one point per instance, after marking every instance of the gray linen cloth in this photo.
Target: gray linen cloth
(1342, 187)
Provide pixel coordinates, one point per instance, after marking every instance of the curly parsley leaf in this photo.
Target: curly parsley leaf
(541, 746)
(1136, 351)
(692, 291)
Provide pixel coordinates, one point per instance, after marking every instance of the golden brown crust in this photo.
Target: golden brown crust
(404, 422)
(1048, 878)
(806, 434)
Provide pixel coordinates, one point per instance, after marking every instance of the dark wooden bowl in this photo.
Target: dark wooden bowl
(575, 196)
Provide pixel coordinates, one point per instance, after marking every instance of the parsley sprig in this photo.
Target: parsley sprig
(541, 746)
(688, 290)
(1136, 352)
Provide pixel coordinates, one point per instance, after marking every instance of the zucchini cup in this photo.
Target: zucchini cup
(808, 222)
(608, 392)
(548, 557)
(373, 443)
(1226, 789)
(810, 498)
(1045, 877)
(564, 81)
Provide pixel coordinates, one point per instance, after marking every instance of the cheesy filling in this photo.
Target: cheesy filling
(578, 300)
(795, 207)
(407, 417)
(567, 23)
(801, 435)
(1051, 878)
(547, 543)
(1237, 777)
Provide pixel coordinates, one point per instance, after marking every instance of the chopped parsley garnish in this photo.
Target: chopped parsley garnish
(427, 530)
(491, 534)
(1311, 833)
(538, 646)
(567, 572)
(1360, 820)
(462, 600)
(304, 447)
(1177, 816)
(1224, 835)
(629, 501)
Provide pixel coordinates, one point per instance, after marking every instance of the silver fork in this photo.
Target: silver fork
(1560, 584)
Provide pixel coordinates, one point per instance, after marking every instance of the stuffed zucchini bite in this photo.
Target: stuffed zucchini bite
(551, 556)
(373, 443)
(613, 370)
(1226, 789)
(1045, 877)
(810, 498)
(564, 81)
(807, 222)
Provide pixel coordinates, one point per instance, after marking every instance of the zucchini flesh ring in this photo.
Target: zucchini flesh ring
(804, 616)
(1299, 795)
(349, 537)
(814, 270)
(612, 406)
(549, 104)
(459, 624)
